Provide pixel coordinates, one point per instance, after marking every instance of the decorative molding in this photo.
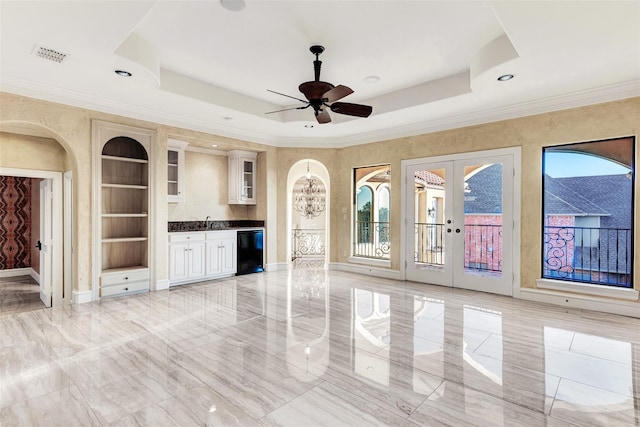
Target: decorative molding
(588, 289)
(381, 263)
(161, 285)
(615, 92)
(366, 270)
(26, 271)
(585, 302)
(608, 93)
(82, 297)
(277, 266)
(34, 275)
(209, 151)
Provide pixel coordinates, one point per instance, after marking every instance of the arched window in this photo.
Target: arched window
(364, 218)
(588, 212)
(372, 202)
(382, 226)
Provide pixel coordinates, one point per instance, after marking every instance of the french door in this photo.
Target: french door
(459, 227)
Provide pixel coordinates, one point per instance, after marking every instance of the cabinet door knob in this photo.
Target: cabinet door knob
(126, 278)
(126, 289)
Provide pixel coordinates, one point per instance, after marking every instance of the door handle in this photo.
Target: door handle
(39, 245)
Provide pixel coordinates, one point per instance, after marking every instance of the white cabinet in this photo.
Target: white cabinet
(221, 252)
(175, 170)
(242, 177)
(186, 256)
(124, 281)
(195, 256)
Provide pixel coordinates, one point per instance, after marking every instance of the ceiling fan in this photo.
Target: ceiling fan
(322, 95)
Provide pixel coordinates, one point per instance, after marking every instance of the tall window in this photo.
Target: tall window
(372, 209)
(364, 203)
(588, 212)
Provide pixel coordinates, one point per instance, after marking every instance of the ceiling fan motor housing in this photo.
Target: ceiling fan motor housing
(315, 90)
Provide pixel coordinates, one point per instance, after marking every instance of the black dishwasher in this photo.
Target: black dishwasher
(250, 251)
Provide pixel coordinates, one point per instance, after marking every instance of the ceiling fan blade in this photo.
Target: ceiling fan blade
(288, 96)
(337, 93)
(323, 116)
(287, 109)
(350, 109)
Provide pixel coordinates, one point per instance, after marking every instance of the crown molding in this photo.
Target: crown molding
(608, 93)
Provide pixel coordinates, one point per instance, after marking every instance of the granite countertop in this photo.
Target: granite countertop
(177, 226)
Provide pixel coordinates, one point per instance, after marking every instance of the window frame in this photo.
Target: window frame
(584, 286)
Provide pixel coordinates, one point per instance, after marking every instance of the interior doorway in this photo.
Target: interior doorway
(45, 238)
(308, 207)
(461, 229)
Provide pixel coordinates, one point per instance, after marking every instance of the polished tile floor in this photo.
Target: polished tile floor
(19, 294)
(315, 348)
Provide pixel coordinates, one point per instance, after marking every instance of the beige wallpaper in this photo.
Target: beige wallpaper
(206, 174)
(206, 186)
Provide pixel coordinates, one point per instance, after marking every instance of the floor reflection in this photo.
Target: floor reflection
(465, 358)
(313, 347)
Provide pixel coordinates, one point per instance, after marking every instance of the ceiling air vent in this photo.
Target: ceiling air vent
(50, 54)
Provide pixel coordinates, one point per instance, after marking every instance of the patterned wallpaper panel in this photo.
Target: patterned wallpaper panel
(15, 222)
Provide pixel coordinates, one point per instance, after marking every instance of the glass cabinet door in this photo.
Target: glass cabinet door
(247, 179)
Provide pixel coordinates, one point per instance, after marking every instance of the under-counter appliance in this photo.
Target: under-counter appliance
(250, 251)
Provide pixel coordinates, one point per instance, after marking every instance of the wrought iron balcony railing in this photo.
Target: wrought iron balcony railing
(307, 243)
(482, 245)
(600, 256)
(371, 240)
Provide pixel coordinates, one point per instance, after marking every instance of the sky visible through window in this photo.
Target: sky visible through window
(561, 165)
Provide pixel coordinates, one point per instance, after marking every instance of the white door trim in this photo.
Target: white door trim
(68, 235)
(45, 241)
(513, 151)
(57, 224)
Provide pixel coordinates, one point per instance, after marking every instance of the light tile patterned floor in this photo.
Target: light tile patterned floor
(315, 348)
(19, 294)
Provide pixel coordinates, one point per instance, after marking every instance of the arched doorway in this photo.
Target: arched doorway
(308, 207)
(37, 158)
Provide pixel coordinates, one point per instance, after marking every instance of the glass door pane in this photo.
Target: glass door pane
(483, 219)
(483, 224)
(429, 226)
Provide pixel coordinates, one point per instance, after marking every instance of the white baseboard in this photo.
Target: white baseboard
(34, 275)
(277, 266)
(16, 272)
(624, 308)
(366, 270)
(82, 297)
(161, 285)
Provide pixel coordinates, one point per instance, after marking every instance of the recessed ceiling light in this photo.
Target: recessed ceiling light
(372, 79)
(123, 73)
(505, 77)
(308, 126)
(233, 5)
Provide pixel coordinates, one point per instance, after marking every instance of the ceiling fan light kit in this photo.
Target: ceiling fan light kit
(323, 95)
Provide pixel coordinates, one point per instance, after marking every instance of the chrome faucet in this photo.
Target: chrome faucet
(207, 223)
